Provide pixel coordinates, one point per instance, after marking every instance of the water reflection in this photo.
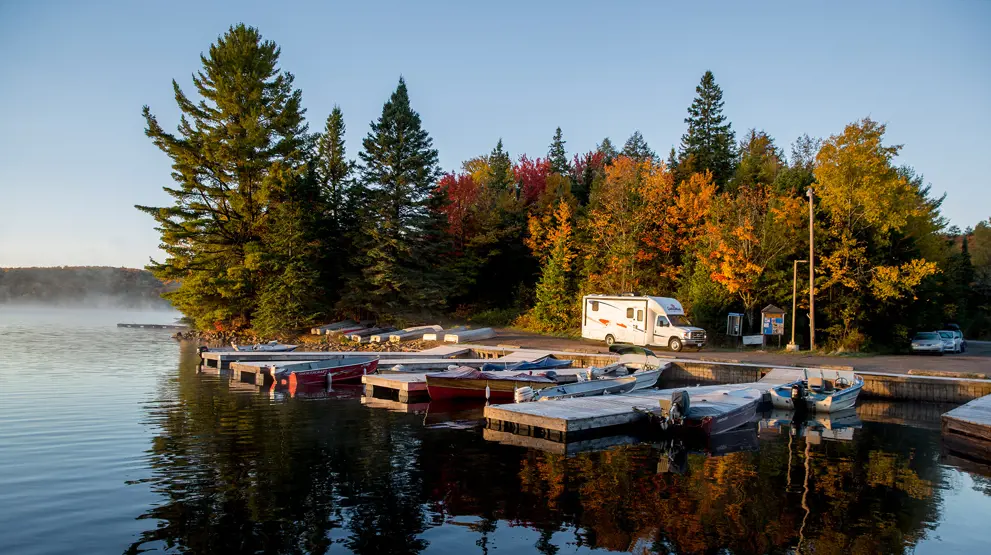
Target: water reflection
(315, 472)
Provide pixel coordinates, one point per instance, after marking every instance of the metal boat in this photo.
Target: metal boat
(711, 411)
(830, 391)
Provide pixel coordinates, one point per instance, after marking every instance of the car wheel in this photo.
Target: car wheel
(610, 340)
(675, 344)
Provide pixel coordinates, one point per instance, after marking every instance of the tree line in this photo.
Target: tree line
(83, 285)
(273, 227)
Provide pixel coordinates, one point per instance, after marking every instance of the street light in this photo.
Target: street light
(812, 278)
(794, 304)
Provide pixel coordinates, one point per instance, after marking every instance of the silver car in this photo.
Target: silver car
(927, 342)
(951, 343)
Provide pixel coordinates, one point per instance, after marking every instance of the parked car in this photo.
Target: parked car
(927, 342)
(951, 343)
(963, 342)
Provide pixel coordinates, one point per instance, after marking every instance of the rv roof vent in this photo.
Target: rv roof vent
(629, 294)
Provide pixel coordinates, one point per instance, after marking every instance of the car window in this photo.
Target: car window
(926, 335)
(946, 335)
(662, 321)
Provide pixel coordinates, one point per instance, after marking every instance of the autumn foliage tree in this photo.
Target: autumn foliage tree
(866, 202)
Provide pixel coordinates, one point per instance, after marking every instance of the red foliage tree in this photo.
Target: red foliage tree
(462, 193)
(532, 177)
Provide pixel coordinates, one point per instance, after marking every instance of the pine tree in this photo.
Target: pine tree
(290, 297)
(502, 168)
(235, 153)
(709, 142)
(637, 148)
(557, 156)
(555, 306)
(339, 198)
(399, 268)
(608, 150)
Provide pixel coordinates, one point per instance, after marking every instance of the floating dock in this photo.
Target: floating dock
(967, 429)
(565, 419)
(223, 359)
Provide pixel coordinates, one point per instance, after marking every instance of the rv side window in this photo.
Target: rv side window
(661, 322)
(639, 316)
(595, 306)
(629, 313)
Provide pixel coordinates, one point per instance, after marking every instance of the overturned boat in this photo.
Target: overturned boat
(270, 347)
(548, 362)
(709, 411)
(830, 391)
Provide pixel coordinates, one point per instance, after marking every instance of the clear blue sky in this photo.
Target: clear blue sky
(74, 159)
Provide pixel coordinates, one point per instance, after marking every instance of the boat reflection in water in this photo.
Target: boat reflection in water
(834, 426)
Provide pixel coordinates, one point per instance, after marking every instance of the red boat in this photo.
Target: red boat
(470, 383)
(320, 372)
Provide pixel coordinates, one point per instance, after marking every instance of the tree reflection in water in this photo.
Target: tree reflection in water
(239, 473)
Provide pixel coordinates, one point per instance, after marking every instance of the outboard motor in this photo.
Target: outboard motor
(524, 394)
(798, 397)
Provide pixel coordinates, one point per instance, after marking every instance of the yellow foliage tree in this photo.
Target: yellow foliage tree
(865, 200)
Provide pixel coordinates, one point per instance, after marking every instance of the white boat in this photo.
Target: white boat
(605, 386)
(830, 391)
(636, 381)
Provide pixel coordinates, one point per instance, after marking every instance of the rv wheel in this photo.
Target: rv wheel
(610, 340)
(675, 344)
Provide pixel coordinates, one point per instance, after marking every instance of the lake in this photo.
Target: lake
(112, 442)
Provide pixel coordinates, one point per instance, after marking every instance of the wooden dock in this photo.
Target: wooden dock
(408, 388)
(967, 429)
(567, 419)
(223, 359)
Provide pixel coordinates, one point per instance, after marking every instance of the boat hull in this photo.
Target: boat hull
(342, 373)
(459, 388)
(730, 420)
(839, 400)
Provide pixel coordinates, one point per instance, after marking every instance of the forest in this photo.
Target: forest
(273, 227)
(84, 286)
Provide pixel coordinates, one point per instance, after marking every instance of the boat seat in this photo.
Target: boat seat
(819, 384)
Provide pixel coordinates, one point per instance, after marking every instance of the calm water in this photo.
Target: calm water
(110, 442)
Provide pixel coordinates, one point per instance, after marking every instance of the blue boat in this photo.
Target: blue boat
(543, 363)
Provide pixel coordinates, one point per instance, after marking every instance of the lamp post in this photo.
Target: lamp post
(812, 265)
(794, 304)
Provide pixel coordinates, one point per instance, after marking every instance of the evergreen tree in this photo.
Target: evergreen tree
(290, 297)
(339, 198)
(555, 306)
(673, 165)
(608, 150)
(637, 148)
(502, 169)
(236, 152)
(709, 142)
(557, 156)
(399, 264)
(759, 161)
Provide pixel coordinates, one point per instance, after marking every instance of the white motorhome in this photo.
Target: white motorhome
(639, 320)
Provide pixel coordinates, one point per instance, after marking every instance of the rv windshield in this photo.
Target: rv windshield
(679, 320)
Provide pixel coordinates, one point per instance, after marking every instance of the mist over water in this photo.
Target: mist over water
(112, 442)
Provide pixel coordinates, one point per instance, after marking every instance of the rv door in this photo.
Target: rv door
(637, 324)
